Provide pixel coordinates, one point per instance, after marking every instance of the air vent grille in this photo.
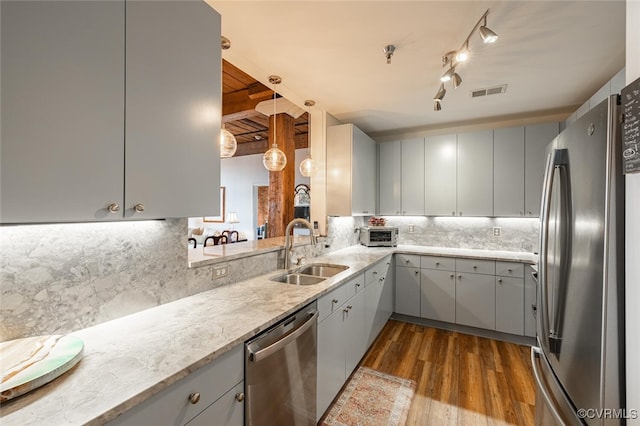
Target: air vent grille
(489, 91)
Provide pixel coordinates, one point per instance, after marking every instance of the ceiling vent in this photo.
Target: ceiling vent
(489, 91)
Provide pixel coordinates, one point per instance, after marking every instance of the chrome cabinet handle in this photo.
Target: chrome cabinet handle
(381, 279)
(240, 396)
(375, 272)
(113, 208)
(194, 397)
(139, 208)
(416, 272)
(407, 261)
(334, 301)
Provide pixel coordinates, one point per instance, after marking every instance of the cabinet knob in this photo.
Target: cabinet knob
(334, 301)
(437, 263)
(194, 397)
(500, 280)
(451, 276)
(529, 213)
(375, 272)
(349, 307)
(139, 208)
(240, 396)
(114, 208)
(416, 272)
(404, 212)
(521, 214)
(397, 211)
(381, 279)
(510, 270)
(357, 284)
(459, 277)
(366, 211)
(475, 266)
(407, 261)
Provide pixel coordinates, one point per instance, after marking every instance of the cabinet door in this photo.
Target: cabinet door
(476, 300)
(408, 291)
(530, 289)
(173, 103)
(226, 411)
(355, 337)
(387, 299)
(508, 172)
(509, 305)
(475, 173)
(536, 139)
(390, 177)
(413, 177)
(438, 295)
(373, 295)
(62, 106)
(363, 174)
(331, 360)
(440, 175)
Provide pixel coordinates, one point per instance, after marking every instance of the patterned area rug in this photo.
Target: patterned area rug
(372, 398)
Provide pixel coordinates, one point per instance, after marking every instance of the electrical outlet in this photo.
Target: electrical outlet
(220, 271)
(411, 228)
(496, 231)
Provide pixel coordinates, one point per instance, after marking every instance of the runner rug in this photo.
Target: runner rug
(372, 398)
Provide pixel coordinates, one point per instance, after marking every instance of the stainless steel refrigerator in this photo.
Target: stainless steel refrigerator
(579, 361)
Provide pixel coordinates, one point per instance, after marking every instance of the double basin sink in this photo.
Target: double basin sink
(310, 274)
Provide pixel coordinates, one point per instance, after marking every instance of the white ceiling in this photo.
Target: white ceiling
(553, 55)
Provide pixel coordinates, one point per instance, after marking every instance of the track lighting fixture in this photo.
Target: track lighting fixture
(388, 52)
(441, 92)
(455, 57)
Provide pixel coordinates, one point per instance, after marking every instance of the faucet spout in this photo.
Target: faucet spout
(288, 241)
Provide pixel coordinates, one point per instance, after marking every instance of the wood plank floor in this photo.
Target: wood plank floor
(461, 379)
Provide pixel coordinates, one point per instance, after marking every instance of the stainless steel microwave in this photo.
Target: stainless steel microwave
(379, 236)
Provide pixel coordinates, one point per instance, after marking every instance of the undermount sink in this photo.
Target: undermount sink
(321, 269)
(298, 279)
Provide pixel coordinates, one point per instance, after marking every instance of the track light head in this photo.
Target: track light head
(448, 75)
(486, 34)
(457, 80)
(436, 105)
(440, 94)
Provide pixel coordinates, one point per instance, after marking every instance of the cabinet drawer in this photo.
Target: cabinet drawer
(353, 286)
(476, 266)
(510, 269)
(408, 260)
(377, 271)
(226, 411)
(331, 301)
(437, 262)
(172, 406)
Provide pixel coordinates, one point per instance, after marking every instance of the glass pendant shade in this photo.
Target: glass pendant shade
(274, 159)
(228, 144)
(308, 167)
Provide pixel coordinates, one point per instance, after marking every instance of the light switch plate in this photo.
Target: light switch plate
(496, 231)
(411, 228)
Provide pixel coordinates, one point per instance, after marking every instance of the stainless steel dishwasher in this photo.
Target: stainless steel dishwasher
(281, 372)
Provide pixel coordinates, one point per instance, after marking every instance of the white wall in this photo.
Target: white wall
(632, 233)
(239, 175)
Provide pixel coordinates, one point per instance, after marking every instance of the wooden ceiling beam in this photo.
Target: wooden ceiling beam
(238, 105)
(260, 147)
(259, 91)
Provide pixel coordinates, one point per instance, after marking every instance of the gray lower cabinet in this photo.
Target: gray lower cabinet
(214, 391)
(407, 290)
(66, 153)
(342, 341)
(509, 305)
(530, 302)
(379, 296)
(475, 300)
(438, 295)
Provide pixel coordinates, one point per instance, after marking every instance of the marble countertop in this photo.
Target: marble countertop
(129, 359)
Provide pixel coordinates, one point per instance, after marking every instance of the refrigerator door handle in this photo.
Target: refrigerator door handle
(556, 160)
(536, 354)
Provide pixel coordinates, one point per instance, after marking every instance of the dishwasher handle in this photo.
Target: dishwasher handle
(276, 346)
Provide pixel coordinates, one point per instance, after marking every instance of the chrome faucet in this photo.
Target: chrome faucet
(288, 242)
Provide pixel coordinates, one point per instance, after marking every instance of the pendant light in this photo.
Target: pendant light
(308, 167)
(274, 159)
(228, 143)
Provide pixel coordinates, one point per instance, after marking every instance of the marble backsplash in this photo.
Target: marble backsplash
(58, 278)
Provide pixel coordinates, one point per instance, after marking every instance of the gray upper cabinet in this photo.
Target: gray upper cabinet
(413, 177)
(475, 173)
(508, 172)
(536, 139)
(62, 110)
(351, 172)
(390, 176)
(173, 94)
(71, 79)
(440, 175)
